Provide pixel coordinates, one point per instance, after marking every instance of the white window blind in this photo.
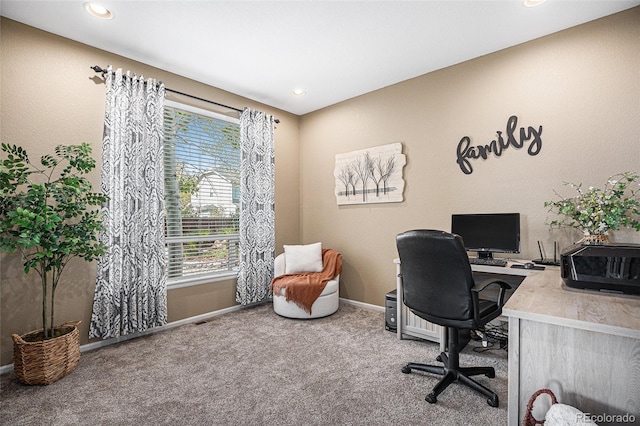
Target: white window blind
(202, 199)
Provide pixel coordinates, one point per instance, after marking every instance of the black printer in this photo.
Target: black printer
(613, 268)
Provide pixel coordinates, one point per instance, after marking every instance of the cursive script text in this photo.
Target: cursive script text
(467, 152)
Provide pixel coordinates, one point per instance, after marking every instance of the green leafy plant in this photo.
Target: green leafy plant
(46, 214)
(595, 211)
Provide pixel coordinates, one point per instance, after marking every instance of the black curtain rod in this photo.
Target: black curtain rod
(103, 71)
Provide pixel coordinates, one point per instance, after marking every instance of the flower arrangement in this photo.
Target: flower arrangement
(595, 211)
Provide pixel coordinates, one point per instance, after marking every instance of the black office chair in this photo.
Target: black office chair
(438, 286)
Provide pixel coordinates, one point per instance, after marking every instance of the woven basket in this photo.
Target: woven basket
(529, 420)
(43, 362)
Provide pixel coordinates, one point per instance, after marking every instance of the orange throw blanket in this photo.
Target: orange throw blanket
(303, 289)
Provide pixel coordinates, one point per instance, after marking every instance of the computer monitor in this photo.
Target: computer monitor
(488, 233)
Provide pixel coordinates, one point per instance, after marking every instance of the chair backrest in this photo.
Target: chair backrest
(436, 276)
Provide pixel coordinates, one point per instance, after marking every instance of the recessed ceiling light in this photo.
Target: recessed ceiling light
(98, 11)
(298, 92)
(533, 3)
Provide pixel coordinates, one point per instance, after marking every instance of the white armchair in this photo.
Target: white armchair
(326, 304)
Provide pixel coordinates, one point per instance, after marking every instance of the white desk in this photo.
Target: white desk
(411, 325)
(583, 345)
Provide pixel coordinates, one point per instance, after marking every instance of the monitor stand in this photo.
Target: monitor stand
(485, 255)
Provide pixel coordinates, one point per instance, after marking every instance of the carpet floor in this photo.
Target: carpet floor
(253, 367)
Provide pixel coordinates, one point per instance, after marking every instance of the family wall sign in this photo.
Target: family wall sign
(511, 138)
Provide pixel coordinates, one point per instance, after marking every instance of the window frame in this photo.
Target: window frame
(210, 277)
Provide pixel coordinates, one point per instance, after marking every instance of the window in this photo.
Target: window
(202, 179)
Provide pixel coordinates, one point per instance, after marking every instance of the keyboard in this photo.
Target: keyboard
(489, 261)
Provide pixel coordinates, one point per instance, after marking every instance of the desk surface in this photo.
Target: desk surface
(506, 270)
(543, 297)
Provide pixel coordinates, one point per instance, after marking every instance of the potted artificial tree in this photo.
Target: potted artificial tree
(48, 215)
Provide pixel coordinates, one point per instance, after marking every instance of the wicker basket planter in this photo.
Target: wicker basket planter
(596, 239)
(42, 362)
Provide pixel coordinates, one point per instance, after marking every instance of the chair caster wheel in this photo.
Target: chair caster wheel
(406, 370)
(493, 401)
(491, 374)
(431, 398)
(439, 358)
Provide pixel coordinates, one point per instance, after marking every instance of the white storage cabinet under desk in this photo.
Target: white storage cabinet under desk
(409, 324)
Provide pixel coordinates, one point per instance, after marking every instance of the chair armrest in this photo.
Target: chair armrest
(486, 283)
(279, 265)
(475, 293)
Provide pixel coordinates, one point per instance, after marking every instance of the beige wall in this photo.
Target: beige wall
(581, 85)
(49, 96)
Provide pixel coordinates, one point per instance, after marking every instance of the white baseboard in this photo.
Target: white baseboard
(363, 305)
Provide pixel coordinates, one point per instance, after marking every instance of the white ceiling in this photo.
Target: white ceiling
(334, 50)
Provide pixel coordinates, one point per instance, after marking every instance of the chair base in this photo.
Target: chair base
(451, 372)
(322, 307)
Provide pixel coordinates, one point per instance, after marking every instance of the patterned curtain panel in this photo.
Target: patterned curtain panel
(131, 291)
(257, 214)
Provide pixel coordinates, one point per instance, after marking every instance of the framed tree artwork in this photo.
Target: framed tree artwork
(372, 175)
